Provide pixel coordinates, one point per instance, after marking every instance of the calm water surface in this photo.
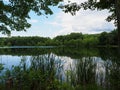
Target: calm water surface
(59, 69)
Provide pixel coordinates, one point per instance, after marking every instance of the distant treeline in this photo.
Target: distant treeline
(72, 40)
(74, 53)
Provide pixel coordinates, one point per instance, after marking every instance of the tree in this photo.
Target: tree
(104, 38)
(113, 6)
(15, 13)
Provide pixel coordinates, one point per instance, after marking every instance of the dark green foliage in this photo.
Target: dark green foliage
(84, 72)
(103, 39)
(73, 39)
(15, 13)
(113, 37)
(1, 67)
(90, 69)
(108, 38)
(70, 40)
(93, 5)
(113, 6)
(24, 41)
(40, 75)
(88, 40)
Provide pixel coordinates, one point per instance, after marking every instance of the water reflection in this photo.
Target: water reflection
(62, 69)
(83, 72)
(42, 73)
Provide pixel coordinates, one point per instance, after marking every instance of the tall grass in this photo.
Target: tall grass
(45, 72)
(39, 75)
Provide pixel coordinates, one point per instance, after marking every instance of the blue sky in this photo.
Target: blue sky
(60, 23)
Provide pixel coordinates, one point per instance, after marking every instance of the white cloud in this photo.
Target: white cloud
(33, 21)
(6, 0)
(61, 23)
(54, 23)
(84, 21)
(77, 1)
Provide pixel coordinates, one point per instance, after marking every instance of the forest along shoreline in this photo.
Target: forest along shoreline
(104, 39)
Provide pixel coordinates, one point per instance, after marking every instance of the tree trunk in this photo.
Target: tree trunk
(117, 2)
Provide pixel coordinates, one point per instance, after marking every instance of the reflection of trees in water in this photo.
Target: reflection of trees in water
(100, 74)
(45, 72)
(83, 73)
(111, 65)
(41, 74)
(85, 70)
(112, 79)
(48, 63)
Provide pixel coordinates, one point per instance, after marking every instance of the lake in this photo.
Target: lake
(59, 68)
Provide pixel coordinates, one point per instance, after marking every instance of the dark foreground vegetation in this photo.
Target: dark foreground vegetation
(92, 69)
(72, 40)
(46, 72)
